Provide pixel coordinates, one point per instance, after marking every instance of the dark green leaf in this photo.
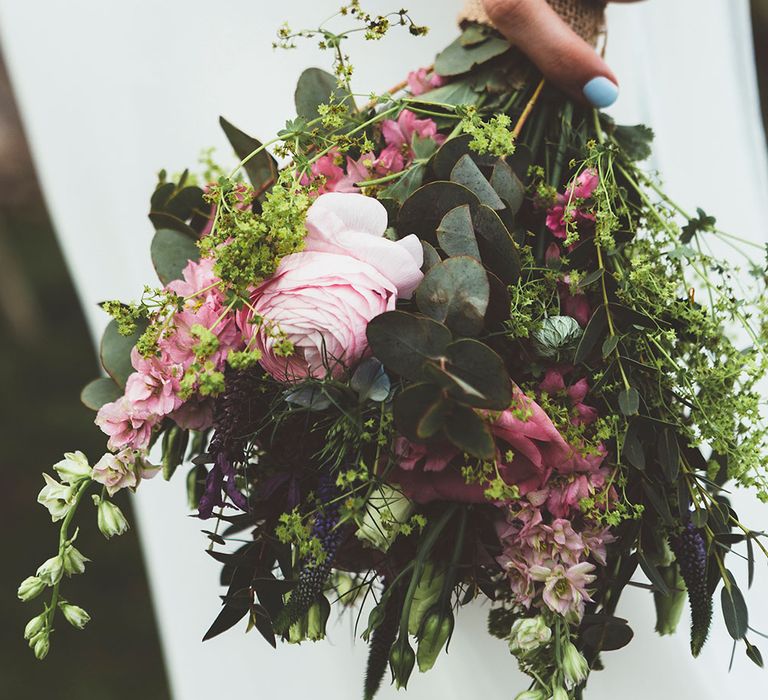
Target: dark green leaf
(456, 234)
(608, 636)
(593, 334)
(433, 419)
(470, 433)
(161, 219)
(261, 620)
(405, 186)
(750, 561)
(466, 173)
(753, 654)
(653, 574)
(457, 58)
(659, 503)
(423, 211)
(610, 345)
(171, 251)
(669, 454)
(632, 449)
(116, 352)
(431, 256)
(498, 249)
(474, 374)
(316, 87)
(451, 151)
(699, 518)
(100, 391)
(455, 93)
(403, 341)
(629, 401)
(261, 168)
(229, 616)
(635, 141)
(508, 186)
(456, 292)
(734, 609)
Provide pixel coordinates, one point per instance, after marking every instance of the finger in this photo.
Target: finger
(560, 54)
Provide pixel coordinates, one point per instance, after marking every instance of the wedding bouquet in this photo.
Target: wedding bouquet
(460, 345)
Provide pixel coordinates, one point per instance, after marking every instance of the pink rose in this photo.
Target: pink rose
(353, 225)
(321, 303)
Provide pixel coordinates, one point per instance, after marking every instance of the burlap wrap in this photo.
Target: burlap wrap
(585, 17)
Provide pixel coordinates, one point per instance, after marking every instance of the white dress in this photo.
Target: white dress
(111, 92)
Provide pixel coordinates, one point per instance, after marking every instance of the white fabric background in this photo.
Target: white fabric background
(112, 91)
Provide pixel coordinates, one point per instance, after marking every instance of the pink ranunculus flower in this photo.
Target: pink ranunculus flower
(321, 303)
(127, 425)
(353, 225)
(153, 387)
(122, 470)
(421, 81)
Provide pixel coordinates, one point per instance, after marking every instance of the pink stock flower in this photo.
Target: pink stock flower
(421, 81)
(199, 284)
(126, 425)
(178, 347)
(567, 206)
(153, 387)
(398, 135)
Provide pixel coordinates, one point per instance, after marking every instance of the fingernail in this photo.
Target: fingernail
(601, 92)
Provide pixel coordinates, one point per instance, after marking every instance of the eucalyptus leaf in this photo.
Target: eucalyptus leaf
(171, 251)
(405, 186)
(508, 186)
(310, 397)
(466, 173)
(456, 292)
(443, 162)
(431, 256)
(403, 341)
(608, 636)
(412, 405)
(370, 381)
(593, 334)
(100, 391)
(115, 352)
(457, 92)
(669, 454)
(456, 234)
(423, 211)
(470, 433)
(456, 58)
(499, 252)
(316, 87)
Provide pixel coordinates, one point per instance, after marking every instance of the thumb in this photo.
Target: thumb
(560, 54)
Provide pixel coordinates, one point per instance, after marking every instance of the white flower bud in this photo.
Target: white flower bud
(51, 571)
(34, 626)
(387, 509)
(73, 467)
(74, 561)
(30, 588)
(75, 615)
(528, 634)
(531, 695)
(56, 497)
(40, 645)
(575, 666)
(110, 519)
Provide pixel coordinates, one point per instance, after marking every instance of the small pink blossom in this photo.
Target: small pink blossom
(398, 135)
(154, 387)
(198, 284)
(554, 384)
(421, 81)
(568, 205)
(178, 347)
(565, 587)
(126, 425)
(122, 470)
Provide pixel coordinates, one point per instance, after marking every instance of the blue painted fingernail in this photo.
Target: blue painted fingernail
(601, 92)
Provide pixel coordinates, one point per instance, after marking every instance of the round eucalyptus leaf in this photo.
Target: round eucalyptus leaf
(100, 391)
(456, 235)
(469, 432)
(171, 251)
(498, 249)
(115, 352)
(456, 292)
(404, 342)
(423, 211)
